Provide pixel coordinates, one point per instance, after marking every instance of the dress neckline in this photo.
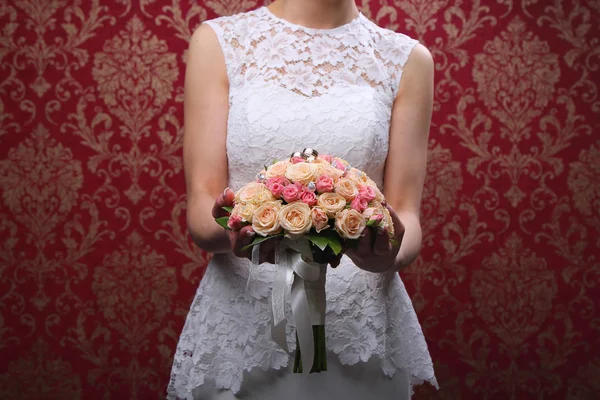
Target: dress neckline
(340, 29)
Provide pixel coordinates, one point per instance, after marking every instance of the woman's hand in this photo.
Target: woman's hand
(374, 252)
(245, 236)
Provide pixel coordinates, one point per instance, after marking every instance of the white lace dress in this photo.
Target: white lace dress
(293, 87)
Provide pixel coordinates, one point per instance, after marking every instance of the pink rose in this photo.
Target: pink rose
(276, 185)
(339, 164)
(235, 222)
(326, 157)
(301, 188)
(367, 192)
(325, 184)
(296, 160)
(377, 218)
(359, 203)
(319, 219)
(291, 193)
(309, 198)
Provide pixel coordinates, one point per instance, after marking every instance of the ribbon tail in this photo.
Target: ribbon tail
(255, 260)
(301, 312)
(279, 297)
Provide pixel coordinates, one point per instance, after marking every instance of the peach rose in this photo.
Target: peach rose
(357, 176)
(263, 197)
(346, 188)
(334, 173)
(247, 193)
(301, 172)
(245, 211)
(319, 219)
(349, 224)
(331, 203)
(266, 219)
(277, 169)
(295, 218)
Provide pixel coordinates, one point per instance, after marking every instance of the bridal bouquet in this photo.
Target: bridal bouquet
(317, 205)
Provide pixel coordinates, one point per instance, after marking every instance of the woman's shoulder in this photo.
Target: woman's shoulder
(237, 23)
(391, 45)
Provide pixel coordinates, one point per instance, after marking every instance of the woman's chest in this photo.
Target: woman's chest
(268, 121)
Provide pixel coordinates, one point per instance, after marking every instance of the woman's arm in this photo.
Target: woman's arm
(406, 163)
(405, 169)
(206, 108)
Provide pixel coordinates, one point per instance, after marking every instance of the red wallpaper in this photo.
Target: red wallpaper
(97, 271)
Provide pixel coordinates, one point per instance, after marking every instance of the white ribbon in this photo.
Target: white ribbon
(302, 281)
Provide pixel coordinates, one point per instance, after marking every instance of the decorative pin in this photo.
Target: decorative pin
(311, 186)
(261, 177)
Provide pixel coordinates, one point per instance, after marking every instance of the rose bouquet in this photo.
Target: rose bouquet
(317, 205)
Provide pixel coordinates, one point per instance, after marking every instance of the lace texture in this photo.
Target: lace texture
(293, 87)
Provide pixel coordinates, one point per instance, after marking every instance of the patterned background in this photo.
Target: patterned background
(97, 271)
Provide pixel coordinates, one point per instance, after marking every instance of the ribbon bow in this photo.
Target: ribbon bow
(300, 281)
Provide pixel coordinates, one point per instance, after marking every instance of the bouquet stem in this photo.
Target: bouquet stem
(320, 361)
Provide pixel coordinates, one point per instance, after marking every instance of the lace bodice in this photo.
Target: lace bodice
(292, 87)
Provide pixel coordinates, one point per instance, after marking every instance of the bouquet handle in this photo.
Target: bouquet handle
(302, 283)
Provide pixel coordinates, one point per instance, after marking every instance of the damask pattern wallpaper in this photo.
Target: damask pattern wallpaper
(97, 271)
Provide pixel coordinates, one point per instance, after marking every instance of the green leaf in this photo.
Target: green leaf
(335, 245)
(227, 208)
(275, 161)
(372, 223)
(394, 242)
(318, 240)
(259, 239)
(223, 222)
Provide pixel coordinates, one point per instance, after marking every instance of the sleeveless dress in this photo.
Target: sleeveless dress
(292, 87)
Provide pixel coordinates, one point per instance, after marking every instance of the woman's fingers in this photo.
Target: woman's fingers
(382, 242)
(364, 246)
(241, 239)
(336, 260)
(398, 225)
(267, 252)
(225, 199)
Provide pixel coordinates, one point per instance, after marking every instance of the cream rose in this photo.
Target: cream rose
(359, 177)
(301, 172)
(349, 224)
(266, 219)
(247, 193)
(263, 197)
(277, 169)
(346, 188)
(331, 203)
(319, 219)
(295, 218)
(333, 172)
(245, 211)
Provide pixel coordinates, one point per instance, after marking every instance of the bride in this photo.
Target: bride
(260, 85)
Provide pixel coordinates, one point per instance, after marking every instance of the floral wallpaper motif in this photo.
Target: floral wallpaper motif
(97, 271)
